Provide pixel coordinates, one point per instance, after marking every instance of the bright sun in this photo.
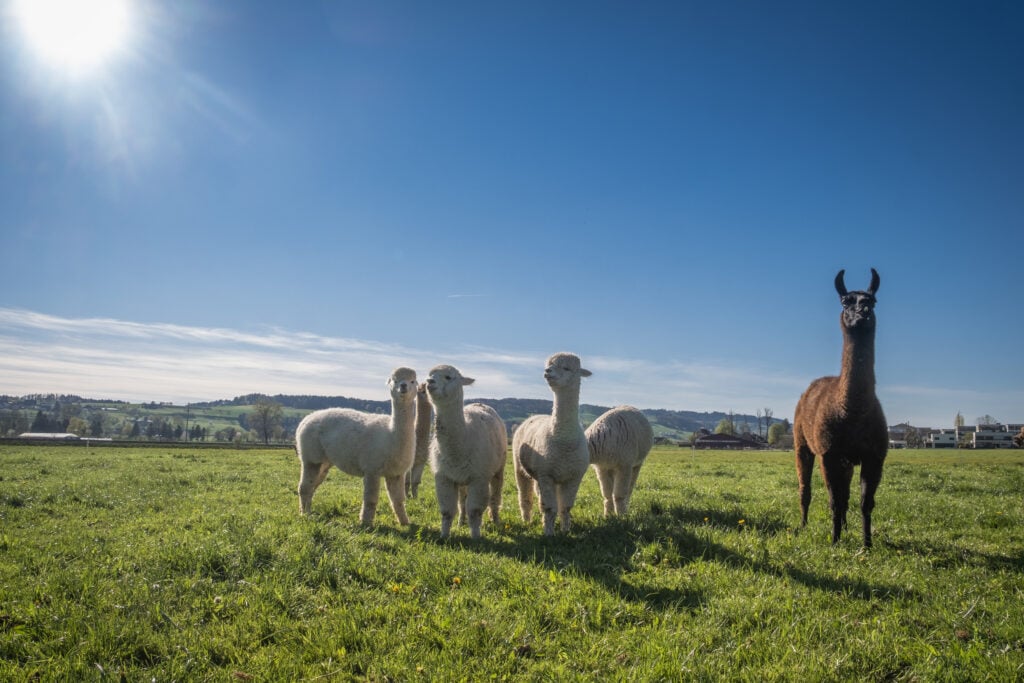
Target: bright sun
(74, 36)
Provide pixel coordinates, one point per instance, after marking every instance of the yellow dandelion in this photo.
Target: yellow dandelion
(456, 581)
(742, 522)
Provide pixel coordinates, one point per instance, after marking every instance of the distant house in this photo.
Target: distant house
(941, 438)
(726, 442)
(987, 436)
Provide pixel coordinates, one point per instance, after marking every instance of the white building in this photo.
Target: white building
(987, 436)
(941, 438)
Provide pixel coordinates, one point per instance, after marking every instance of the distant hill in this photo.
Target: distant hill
(17, 413)
(671, 424)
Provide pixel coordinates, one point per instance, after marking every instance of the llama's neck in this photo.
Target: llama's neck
(857, 379)
(565, 414)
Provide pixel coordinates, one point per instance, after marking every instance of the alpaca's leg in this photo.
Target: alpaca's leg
(447, 501)
(524, 487)
(870, 476)
(396, 494)
(476, 500)
(634, 475)
(371, 493)
(606, 480)
(312, 475)
(548, 495)
(804, 470)
(623, 480)
(566, 499)
(416, 476)
(463, 492)
(494, 494)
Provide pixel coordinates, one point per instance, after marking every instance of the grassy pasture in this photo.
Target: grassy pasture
(178, 564)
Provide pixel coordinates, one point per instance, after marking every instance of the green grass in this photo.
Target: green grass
(176, 564)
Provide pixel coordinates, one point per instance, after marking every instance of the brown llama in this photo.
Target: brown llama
(841, 420)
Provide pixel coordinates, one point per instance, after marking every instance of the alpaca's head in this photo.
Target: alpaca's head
(402, 384)
(858, 307)
(444, 383)
(563, 369)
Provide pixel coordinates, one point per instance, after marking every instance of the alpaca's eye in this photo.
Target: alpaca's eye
(448, 378)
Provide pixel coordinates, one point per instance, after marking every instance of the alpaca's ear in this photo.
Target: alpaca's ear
(466, 381)
(875, 281)
(840, 285)
(585, 373)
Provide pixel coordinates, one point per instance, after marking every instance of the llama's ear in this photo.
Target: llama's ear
(585, 373)
(466, 381)
(840, 286)
(875, 280)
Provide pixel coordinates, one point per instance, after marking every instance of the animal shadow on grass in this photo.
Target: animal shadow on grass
(945, 556)
(613, 547)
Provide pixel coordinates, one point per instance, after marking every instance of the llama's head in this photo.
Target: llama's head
(858, 307)
(444, 383)
(563, 369)
(402, 384)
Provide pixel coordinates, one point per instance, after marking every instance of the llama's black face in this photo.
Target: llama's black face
(858, 310)
(858, 307)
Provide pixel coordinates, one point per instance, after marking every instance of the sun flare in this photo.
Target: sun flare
(74, 36)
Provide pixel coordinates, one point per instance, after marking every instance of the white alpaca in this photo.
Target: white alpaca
(467, 452)
(424, 417)
(364, 445)
(550, 451)
(619, 441)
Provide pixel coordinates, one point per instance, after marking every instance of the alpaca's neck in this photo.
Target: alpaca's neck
(422, 419)
(857, 379)
(403, 419)
(450, 423)
(565, 414)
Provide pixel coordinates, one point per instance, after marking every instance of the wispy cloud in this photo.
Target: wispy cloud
(110, 358)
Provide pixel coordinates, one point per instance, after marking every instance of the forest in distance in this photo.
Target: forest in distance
(262, 418)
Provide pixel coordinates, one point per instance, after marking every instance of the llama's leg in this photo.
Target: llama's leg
(312, 475)
(396, 494)
(476, 501)
(408, 485)
(804, 470)
(870, 476)
(606, 480)
(494, 495)
(447, 501)
(524, 487)
(837, 475)
(548, 495)
(623, 479)
(566, 499)
(371, 493)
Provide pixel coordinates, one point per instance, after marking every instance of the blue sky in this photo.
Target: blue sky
(296, 197)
